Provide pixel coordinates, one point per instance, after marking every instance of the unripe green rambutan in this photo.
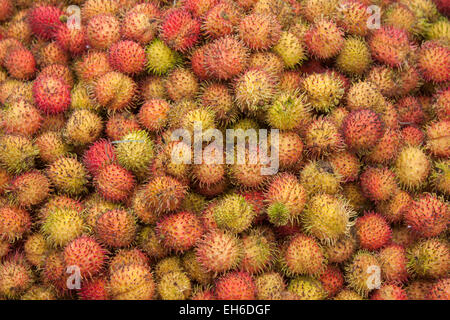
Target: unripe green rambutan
(114, 182)
(393, 263)
(269, 286)
(236, 285)
(68, 175)
(150, 244)
(327, 217)
(341, 250)
(17, 153)
(168, 264)
(347, 294)
(303, 255)
(353, 17)
(290, 49)
(354, 59)
(135, 152)
(219, 251)
(428, 215)
(29, 189)
(439, 30)
(116, 228)
(115, 91)
(62, 225)
(360, 272)
(258, 252)
(372, 231)
(429, 258)
(160, 58)
(233, 213)
(131, 282)
(83, 127)
(394, 208)
(14, 223)
(194, 269)
(288, 111)
(202, 117)
(324, 39)
(307, 288)
(362, 129)
(365, 95)
(102, 31)
(412, 167)
(181, 83)
(254, 90)
(323, 90)
(285, 189)
(15, 277)
(174, 286)
(319, 177)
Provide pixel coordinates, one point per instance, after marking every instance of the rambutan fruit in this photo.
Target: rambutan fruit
(318, 177)
(395, 207)
(401, 17)
(127, 56)
(353, 16)
(345, 164)
(440, 290)
(439, 30)
(93, 289)
(59, 71)
(51, 146)
(391, 46)
(267, 61)
(393, 263)
(259, 252)
(140, 24)
(359, 273)
(203, 294)
(35, 249)
(57, 202)
(54, 272)
(218, 251)
(18, 153)
(290, 148)
(429, 258)
(68, 175)
(222, 19)
(150, 244)
(131, 282)
(20, 63)
(290, 49)
(362, 129)
(92, 65)
(233, 213)
(164, 194)
(128, 256)
(327, 217)
(347, 294)
(365, 95)
(14, 223)
(378, 184)
(254, 89)
(225, 58)
(83, 127)
(438, 139)
(332, 280)
(153, 114)
(86, 253)
(179, 30)
(389, 292)
(15, 277)
(418, 289)
(29, 188)
(181, 83)
(167, 265)
(48, 53)
(285, 189)
(269, 286)
(323, 90)
(6, 9)
(314, 9)
(39, 292)
(428, 215)
(322, 138)
(354, 59)
(115, 91)
(152, 87)
(102, 31)
(410, 111)
(412, 135)
(259, 32)
(6, 45)
(383, 78)
(52, 94)
(121, 124)
(114, 182)
(92, 8)
(44, 21)
(174, 286)
(116, 228)
(62, 225)
(412, 167)
(72, 40)
(218, 97)
(434, 61)
(199, 8)
(160, 58)
(373, 231)
(194, 269)
(99, 154)
(21, 117)
(307, 288)
(303, 255)
(386, 149)
(402, 235)
(247, 172)
(324, 39)
(341, 250)
(236, 285)
(282, 10)
(288, 111)
(440, 177)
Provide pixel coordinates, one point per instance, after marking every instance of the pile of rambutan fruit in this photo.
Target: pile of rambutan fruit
(94, 205)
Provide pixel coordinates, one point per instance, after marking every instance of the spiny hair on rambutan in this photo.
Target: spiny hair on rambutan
(412, 167)
(387, 148)
(429, 258)
(323, 90)
(181, 83)
(234, 213)
(29, 189)
(18, 153)
(131, 282)
(319, 177)
(149, 242)
(127, 56)
(102, 31)
(21, 117)
(352, 16)
(140, 23)
(14, 223)
(51, 94)
(120, 124)
(395, 207)
(51, 146)
(322, 138)
(36, 249)
(307, 288)
(179, 30)
(440, 177)
(393, 263)
(44, 20)
(290, 49)
(434, 61)
(92, 65)
(218, 97)
(98, 154)
(372, 231)
(365, 95)
(153, 114)
(324, 39)
(346, 164)
(237, 285)
(83, 127)
(289, 111)
(378, 184)
(359, 272)
(259, 31)
(332, 280)
(290, 148)
(174, 286)
(128, 256)
(354, 50)
(160, 58)
(114, 182)
(259, 252)
(116, 228)
(438, 139)
(269, 286)
(222, 19)
(389, 291)
(16, 276)
(68, 175)
(94, 289)
(20, 64)
(115, 91)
